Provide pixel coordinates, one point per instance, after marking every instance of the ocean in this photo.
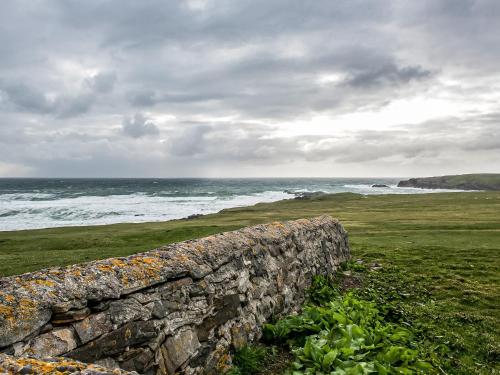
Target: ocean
(29, 203)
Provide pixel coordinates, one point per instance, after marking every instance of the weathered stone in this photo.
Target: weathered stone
(133, 333)
(12, 329)
(161, 308)
(46, 328)
(148, 314)
(140, 361)
(13, 365)
(226, 308)
(93, 326)
(145, 298)
(70, 316)
(239, 336)
(99, 306)
(123, 311)
(108, 363)
(179, 348)
(53, 343)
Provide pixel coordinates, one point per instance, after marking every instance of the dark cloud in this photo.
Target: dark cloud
(387, 74)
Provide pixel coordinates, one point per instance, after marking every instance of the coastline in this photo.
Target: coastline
(43, 210)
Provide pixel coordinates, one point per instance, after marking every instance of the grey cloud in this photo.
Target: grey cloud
(74, 67)
(251, 143)
(26, 98)
(139, 126)
(146, 98)
(102, 82)
(387, 74)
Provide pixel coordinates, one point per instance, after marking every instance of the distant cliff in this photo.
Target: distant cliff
(485, 181)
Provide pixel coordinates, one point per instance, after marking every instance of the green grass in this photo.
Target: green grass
(484, 181)
(447, 243)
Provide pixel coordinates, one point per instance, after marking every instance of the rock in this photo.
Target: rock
(375, 266)
(226, 308)
(108, 363)
(53, 343)
(123, 311)
(132, 333)
(379, 186)
(70, 316)
(239, 336)
(138, 360)
(305, 194)
(161, 308)
(93, 326)
(194, 216)
(49, 365)
(178, 349)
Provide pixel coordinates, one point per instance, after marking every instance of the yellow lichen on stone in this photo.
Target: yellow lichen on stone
(148, 260)
(6, 311)
(44, 282)
(118, 263)
(26, 307)
(105, 267)
(58, 367)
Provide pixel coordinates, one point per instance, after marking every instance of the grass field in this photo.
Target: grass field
(446, 243)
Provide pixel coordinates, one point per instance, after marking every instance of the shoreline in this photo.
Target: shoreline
(299, 195)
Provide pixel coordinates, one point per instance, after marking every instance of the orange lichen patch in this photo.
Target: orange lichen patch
(6, 311)
(148, 260)
(118, 262)
(9, 298)
(105, 267)
(76, 272)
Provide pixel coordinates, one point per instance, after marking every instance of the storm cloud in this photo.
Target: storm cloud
(249, 88)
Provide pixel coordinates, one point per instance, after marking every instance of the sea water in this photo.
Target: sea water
(42, 203)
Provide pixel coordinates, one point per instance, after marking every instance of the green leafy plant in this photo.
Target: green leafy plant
(344, 334)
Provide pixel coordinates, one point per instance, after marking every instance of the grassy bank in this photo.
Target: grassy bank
(485, 181)
(447, 244)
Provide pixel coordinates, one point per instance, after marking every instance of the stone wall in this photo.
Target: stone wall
(181, 307)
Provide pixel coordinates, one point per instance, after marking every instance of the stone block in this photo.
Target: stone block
(123, 311)
(92, 327)
(70, 316)
(178, 349)
(133, 333)
(53, 343)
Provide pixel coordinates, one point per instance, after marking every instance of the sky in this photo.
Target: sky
(257, 88)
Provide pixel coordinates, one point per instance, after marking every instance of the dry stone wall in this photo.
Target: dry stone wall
(177, 309)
